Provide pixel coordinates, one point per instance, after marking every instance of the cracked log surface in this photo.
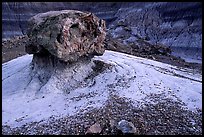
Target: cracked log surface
(67, 35)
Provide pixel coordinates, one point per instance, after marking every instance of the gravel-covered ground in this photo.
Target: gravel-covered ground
(165, 117)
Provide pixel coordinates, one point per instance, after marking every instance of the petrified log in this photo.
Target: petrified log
(66, 35)
(63, 44)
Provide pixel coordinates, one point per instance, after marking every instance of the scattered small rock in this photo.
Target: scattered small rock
(126, 127)
(112, 123)
(94, 129)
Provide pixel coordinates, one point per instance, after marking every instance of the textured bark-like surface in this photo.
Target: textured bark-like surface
(68, 35)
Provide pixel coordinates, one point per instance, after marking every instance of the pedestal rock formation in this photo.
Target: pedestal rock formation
(64, 41)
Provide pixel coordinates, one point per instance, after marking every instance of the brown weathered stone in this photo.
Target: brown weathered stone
(67, 35)
(94, 129)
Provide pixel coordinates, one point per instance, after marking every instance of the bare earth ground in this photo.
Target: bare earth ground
(162, 118)
(13, 48)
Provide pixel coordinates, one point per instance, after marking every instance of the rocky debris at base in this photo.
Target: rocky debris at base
(139, 46)
(67, 35)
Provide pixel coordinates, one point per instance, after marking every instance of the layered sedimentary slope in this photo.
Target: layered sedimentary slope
(178, 25)
(173, 24)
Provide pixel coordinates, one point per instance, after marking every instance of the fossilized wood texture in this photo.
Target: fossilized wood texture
(68, 35)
